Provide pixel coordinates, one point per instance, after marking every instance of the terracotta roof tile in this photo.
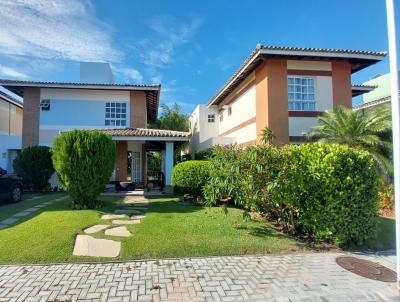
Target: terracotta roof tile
(143, 132)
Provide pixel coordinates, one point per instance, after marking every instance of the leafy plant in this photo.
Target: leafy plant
(84, 161)
(172, 118)
(189, 177)
(204, 154)
(267, 136)
(35, 167)
(365, 130)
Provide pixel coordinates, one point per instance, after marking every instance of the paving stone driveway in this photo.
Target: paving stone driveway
(297, 277)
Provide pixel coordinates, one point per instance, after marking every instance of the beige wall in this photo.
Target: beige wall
(10, 119)
(309, 65)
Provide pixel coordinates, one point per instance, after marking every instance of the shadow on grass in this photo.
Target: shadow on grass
(262, 231)
(171, 205)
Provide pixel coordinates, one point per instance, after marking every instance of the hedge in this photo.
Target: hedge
(189, 177)
(35, 167)
(327, 192)
(84, 161)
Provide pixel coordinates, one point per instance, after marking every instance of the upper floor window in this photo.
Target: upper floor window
(211, 118)
(115, 114)
(221, 116)
(301, 93)
(229, 110)
(45, 105)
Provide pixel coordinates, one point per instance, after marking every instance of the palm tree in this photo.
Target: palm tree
(267, 136)
(369, 131)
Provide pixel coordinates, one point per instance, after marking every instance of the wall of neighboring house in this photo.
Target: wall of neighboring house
(10, 133)
(263, 99)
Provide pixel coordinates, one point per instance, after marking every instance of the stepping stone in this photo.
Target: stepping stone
(86, 245)
(135, 221)
(32, 210)
(114, 216)
(137, 217)
(126, 211)
(96, 228)
(9, 221)
(22, 214)
(121, 231)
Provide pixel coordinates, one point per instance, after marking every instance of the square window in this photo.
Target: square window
(118, 115)
(123, 123)
(107, 104)
(123, 110)
(112, 115)
(118, 105)
(107, 109)
(123, 105)
(112, 104)
(123, 115)
(211, 118)
(107, 123)
(107, 115)
(118, 110)
(117, 122)
(301, 93)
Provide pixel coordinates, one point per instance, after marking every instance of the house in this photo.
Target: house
(379, 95)
(120, 110)
(282, 88)
(10, 130)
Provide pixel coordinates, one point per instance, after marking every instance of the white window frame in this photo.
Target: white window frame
(211, 118)
(115, 114)
(302, 93)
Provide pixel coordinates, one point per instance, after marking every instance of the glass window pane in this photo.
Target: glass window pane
(123, 123)
(123, 105)
(112, 115)
(123, 115)
(290, 80)
(107, 104)
(112, 104)
(107, 123)
(298, 81)
(117, 123)
(118, 110)
(107, 115)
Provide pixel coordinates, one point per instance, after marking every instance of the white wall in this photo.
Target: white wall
(76, 108)
(298, 126)
(8, 143)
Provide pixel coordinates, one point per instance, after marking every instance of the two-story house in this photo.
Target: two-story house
(10, 130)
(120, 110)
(283, 88)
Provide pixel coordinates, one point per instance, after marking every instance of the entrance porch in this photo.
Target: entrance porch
(135, 150)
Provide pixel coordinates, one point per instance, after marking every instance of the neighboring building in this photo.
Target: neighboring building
(378, 96)
(283, 88)
(117, 109)
(10, 130)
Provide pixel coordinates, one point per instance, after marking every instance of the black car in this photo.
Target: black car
(10, 187)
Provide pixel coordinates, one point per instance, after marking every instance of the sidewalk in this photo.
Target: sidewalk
(296, 277)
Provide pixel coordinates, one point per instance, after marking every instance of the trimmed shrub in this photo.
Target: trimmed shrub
(204, 154)
(84, 161)
(35, 166)
(327, 192)
(189, 177)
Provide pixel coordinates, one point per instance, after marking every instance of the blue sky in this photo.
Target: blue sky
(190, 47)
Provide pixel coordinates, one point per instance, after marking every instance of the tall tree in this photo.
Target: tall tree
(367, 130)
(171, 118)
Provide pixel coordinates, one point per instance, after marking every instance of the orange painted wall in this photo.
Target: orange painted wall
(272, 99)
(341, 83)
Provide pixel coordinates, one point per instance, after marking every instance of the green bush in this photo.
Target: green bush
(84, 161)
(35, 167)
(204, 154)
(189, 177)
(327, 192)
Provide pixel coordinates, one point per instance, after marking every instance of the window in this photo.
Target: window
(115, 114)
(229, 110)
(301, 93)
(45, 105)
(211, 118)
(221, 116)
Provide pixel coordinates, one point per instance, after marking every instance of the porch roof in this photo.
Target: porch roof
(143, 134)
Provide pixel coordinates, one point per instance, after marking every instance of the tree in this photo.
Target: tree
(35, 167)
(171, 119)
(84, 161)
(369, 131)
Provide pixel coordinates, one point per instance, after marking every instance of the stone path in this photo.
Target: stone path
(90, 246)
(20, 215)
(297, 277)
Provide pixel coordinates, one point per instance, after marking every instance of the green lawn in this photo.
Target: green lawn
(169, 230)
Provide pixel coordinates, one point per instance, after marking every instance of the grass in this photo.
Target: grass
(169, 230)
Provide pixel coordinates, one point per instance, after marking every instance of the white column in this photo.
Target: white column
(169, 162)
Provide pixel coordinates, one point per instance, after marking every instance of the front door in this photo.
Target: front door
(136, 167)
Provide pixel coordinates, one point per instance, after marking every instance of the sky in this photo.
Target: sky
(190, 47)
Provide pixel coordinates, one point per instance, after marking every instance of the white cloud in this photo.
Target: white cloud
(129, 73)
(6, 71)
(160, 51)
(56, 29)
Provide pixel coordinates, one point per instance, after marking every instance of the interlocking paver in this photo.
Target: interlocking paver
(305, 277)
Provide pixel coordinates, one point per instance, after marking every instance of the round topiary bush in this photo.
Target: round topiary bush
(84, 161)
(189, 177)
(35, 166)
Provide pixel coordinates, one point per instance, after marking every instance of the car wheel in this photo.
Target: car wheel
(15, 194)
